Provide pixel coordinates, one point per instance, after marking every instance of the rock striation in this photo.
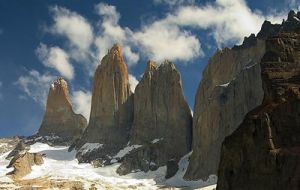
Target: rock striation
(264, 152)
(162, 120)
(231, 86)
(60, 119)
(112, 108)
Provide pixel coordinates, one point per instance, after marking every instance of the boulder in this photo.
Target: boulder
(22, 164)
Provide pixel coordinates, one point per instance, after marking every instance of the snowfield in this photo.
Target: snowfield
(61, 164)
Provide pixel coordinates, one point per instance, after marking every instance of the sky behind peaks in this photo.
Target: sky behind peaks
(41, 40)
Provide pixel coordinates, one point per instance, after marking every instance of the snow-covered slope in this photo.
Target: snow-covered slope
(59, 164)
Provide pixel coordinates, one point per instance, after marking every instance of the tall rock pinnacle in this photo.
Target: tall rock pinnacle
(162, 120)
(59, 118)
(112, 105)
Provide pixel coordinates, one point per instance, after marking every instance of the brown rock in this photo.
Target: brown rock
(22, 164)
(60, 119)
(229, 89)
(112, 106)
(264, 152)
(160, 114)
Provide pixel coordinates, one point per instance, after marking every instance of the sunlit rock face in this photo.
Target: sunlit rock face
(264, 152)
(22, 164)
(231, 86)
(60, 119)
(162, 120)
(112, 107)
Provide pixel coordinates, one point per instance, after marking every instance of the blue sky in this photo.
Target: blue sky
(41, 40)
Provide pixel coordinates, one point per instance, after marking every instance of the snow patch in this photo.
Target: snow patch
(224, 85)
(60, 164)
(89, 147)
(126, 150)
(156, 140)
(3, 170)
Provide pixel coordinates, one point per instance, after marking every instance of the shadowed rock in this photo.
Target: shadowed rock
(162, 120)
(231, 86)
(264, 152)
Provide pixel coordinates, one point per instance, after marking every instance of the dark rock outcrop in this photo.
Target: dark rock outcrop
(112, 108)
(231, 86)
(264, 152)
(22, 164)
(19, 148)
(172, 168)
(162, 119)
(60, 119)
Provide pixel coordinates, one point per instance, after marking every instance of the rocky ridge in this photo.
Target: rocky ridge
(263, 153)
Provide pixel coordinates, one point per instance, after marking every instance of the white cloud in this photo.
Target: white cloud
(111, 32)
(293, 4)
(82, 103)
(160, 41)
(56, 58)
(76, 29)
(133, 82)
(36, 85)
(228, 20)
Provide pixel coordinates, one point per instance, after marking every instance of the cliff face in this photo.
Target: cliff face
(162, 119)
(231, 86)
(264, 152)
(112, 105)
(60, 119)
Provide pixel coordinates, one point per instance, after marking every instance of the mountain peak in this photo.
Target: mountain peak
(59, 118)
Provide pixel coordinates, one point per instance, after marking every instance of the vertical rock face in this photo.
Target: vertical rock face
(231, 86)
(161, 116)
(112, 104)
(264, 152)
(160, 110)
(60, 119)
